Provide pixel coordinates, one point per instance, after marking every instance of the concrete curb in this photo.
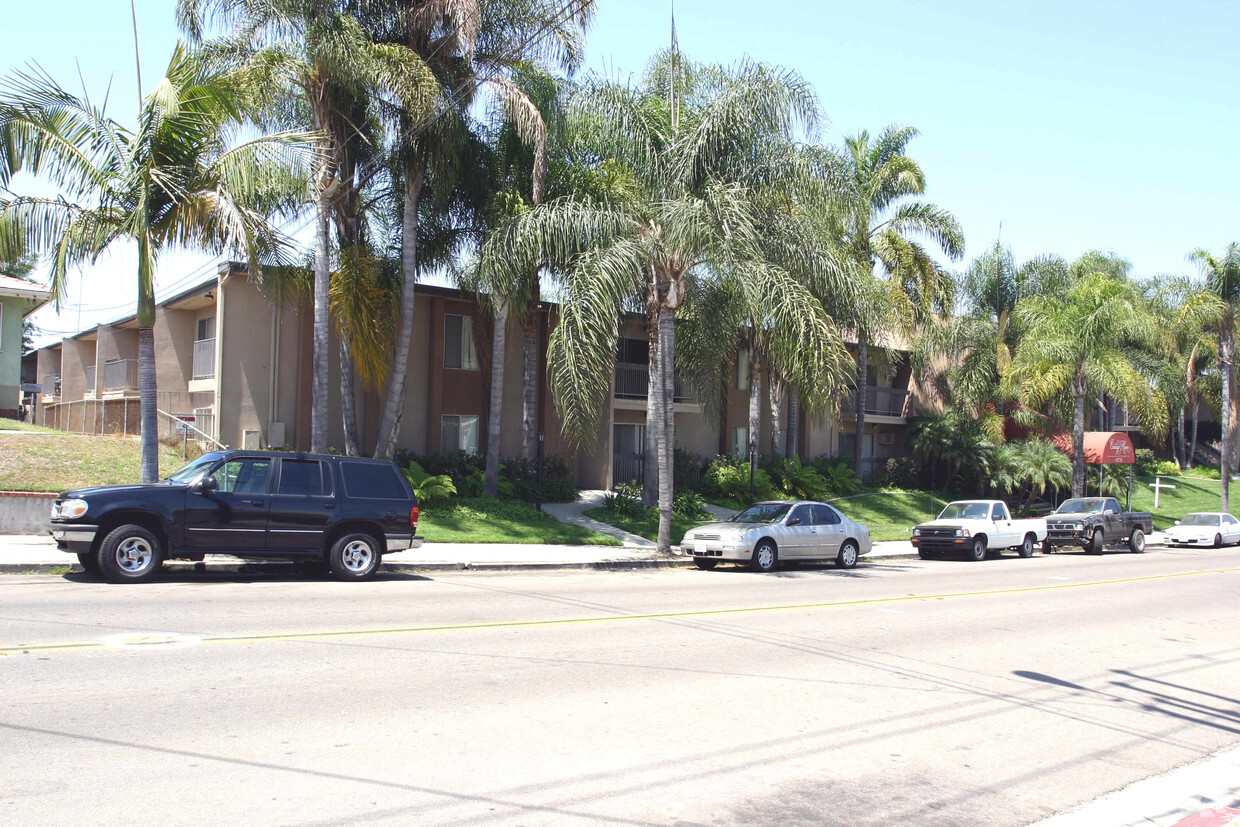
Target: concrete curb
(275, 567)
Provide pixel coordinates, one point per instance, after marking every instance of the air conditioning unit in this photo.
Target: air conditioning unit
(886, 438)
(251, 440)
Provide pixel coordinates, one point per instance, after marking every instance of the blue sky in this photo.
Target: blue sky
(1078, 125)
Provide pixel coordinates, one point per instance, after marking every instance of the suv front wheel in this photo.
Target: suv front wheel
(130, 554)
(354, 556)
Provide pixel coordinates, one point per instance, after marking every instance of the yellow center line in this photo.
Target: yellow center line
(618, 618)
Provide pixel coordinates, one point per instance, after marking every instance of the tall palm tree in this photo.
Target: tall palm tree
(1222, 276)
(687, 135)
(469, 46)
(1082, 343)
(880, 228)
(173, 181)
(315, 65)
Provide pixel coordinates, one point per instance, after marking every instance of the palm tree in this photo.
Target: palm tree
(173, 181)
(1083, 343)
(877, 227)
(687, 136)
(1223, 282)
(978, 344)
(468, 46)
(316, 65)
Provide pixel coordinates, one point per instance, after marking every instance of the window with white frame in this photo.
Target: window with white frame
(460, 433)
(740, 442)
(206, 329)
(458, 343)
(742, 369)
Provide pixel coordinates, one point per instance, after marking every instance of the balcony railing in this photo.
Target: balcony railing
(51, 386)
(879, 401)
(204, 359)
(120, 375)
(90, 383)
(633, 382)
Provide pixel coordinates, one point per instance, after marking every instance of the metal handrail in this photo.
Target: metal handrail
(204, 435)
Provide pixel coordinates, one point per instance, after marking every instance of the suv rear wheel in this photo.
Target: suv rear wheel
(354, 556)
(130, 554)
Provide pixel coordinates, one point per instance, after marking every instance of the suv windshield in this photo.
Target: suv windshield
(191, 471)
(965, 511)
(762, 513)
(1089, 505)
(1200, 519)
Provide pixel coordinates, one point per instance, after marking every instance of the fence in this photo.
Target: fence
(204, 359)
(880, 401)
(123, 417)
(633, 381)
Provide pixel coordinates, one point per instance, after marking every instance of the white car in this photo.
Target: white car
(1204, 528)
(767, 533)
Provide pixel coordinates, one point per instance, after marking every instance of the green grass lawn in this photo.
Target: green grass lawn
(891, 515)
(501, 521)
(44, 459)
(17, 425)
(1190, 494)
(647, 526)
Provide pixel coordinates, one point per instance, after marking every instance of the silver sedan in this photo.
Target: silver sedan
(766, 533)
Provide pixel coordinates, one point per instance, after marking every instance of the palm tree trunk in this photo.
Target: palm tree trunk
(348, 402)
(394, 406)
(1180, 448)
(1078, 440)
(778, 446)
(490, 485)
(1227, 353)
(794, 425)
(667, 344)
(322, 281)
(863, 370)
(1192, 445)
(147, 405)
(654, 417)
(529, 382)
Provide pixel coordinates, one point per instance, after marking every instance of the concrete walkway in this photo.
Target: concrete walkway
(572, 513)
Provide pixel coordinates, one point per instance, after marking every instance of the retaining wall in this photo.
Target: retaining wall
(25, 512)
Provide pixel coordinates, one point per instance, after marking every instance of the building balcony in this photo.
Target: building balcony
(204, 359)
(120, 375)
(878, 402)
(633, 382)
(51, 387)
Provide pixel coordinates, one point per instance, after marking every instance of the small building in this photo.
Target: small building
(18, 299)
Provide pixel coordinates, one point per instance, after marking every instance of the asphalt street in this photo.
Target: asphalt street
(929, 693)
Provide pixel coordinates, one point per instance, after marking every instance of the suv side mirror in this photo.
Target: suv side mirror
(205, 485)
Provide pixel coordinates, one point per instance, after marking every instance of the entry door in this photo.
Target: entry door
(628, 452)
(829, 531)
(301, 507)
(799, 540)
(233, 517)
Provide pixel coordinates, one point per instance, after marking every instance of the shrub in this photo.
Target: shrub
(729, 477)
(1166, 468)
(838, 474)
(796, 480)
(687, 470)
(688, 504)
(631, 489)
(1146, 464)
(900, 472)
(622, 506)
(518, 477)
(428, 488)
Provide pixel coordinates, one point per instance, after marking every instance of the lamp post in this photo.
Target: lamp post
(753, 460)
(538, 503)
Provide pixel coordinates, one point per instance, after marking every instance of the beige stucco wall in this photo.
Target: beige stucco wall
(243, 349)
(174, 348)
(77, 355)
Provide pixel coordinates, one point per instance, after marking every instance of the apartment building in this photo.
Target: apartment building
(233, 369)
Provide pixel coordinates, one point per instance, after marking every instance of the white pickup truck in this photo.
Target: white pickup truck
(977, 528)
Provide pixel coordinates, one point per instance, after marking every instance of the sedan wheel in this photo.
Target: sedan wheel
(765, 557)
(1218, 541)
(847, 558)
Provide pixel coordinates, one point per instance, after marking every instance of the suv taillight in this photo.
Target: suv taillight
(413, 518)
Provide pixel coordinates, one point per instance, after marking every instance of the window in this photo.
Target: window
(243, 476)
(996, 512)
(460, 433)
(372, 481)
(802, 513)
(740, 442)
(300, 476)
(742, 369)
(458, 343)
(633, 351)
(206, 329)
(825, 515)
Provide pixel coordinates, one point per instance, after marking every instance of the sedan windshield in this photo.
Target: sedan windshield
(1091, 505)
(1200, 519)
(191, 471)
(762, 513)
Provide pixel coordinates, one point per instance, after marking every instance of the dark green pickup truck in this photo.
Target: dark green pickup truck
(1093, 523)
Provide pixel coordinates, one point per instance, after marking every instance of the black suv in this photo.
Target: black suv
(345, 511)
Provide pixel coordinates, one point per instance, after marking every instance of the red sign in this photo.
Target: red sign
(1108, 448)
